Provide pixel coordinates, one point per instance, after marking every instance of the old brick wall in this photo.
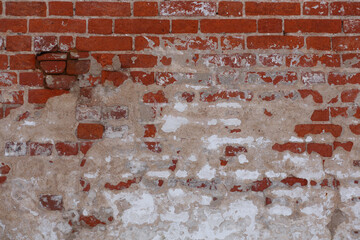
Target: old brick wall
(179, 119)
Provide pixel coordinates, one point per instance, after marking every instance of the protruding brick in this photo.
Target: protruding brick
(45, 43)
(53, 67)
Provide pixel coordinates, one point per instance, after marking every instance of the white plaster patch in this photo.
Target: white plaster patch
(180, 107)
(160, 174)
(280, 210)
(242, 159)
(231, 122)
(173, 123)
(247, 175)
(207, 172)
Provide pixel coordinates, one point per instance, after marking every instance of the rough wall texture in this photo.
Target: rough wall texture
(179, 120)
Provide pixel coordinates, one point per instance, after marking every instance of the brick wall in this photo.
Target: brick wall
(179, 119)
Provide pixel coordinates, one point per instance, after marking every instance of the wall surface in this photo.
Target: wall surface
(179, 120)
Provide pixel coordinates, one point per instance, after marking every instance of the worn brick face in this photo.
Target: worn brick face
(182, 119)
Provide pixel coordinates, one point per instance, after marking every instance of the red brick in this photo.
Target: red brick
(227, 8)
(290, 146)
(271, 77)
(351, 60)
(40, 149)
(60, 81)
(316, 8)
(26, 8)
(272, 8)
(45, 43)
(150, 130)
(269, 25)
(90, 131)
(343, 78)
(304, 129)
(137, 60)
(138, 26)
(339, 111)
(291, 181)
(22, 62)
(117, 78)
(41, 96)
(321, 115)
(187, 8)
(51, 202)
(347, 146)
(11, 97)
(52, 57)
(225, 95)
(66, 43)
(18, 43)
(351, 26)
(31, 79)
(142, 9)
(67, 148)
(317, 97)
(53, 67)
(312, 60)
(104, 43)
(227, 25)
(312, 25)
(77, 67)
(232, 151)
(318, 43)
(349, 95)
(7, 79)
(184, 26)
(355, 128)
(146, 42)
(275, 42)
(100, 26)
(155, 97)
(113, 9)
(232, 42)
(58, 8)
(57, 25)
(13, 25)
(143, 77)
(345, 8)
(4, 62)
(349, 43)
(325, 150)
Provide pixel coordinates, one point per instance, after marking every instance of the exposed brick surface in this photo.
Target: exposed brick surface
(181, 119)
